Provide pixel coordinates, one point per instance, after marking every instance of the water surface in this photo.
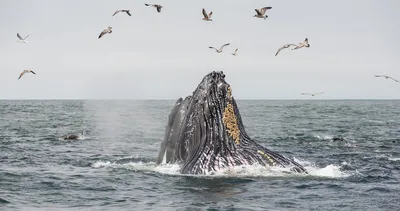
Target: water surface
(112, 167)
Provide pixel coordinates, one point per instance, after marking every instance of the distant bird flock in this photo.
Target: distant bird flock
(260, 13)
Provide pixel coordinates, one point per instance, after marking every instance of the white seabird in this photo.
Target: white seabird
(312, 94)
(25, 71)
(387, 77)
(220, 49)
(23, 40)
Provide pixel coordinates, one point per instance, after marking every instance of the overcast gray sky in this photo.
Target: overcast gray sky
(164, 55)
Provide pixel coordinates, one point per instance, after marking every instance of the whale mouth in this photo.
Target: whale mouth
(205, 133)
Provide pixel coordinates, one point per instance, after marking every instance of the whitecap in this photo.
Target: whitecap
(255, 170)
(394, 159)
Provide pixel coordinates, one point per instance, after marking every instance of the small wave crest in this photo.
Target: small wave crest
(323, 137)
(394, 159)
(3, 201)
(329, 171)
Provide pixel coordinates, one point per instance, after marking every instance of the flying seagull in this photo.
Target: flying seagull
(261, 12)
(118, 11)
(283, 47)
(20, 39)
(312, 94)
(220, 49)
(106, 31)
(156, 6)
(25, 71)
(207, 17)
(235, 53)
(302, 44)
(387, 77)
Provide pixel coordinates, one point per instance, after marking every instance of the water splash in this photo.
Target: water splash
(329, 171)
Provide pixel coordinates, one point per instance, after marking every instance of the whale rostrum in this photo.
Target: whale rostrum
(205, 133)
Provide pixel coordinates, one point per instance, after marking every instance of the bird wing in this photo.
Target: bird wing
(205, 13)
(224, 45)
(102, 33)
(210, 14)
(127, 12)
(306, 40)
(236, 50)
(265, 9)
(158, 8)
(33, 72)
(20, 75)
(258, 12)
(19, 36)
(116, 12)
(318, 93)
(26, 36)
(279, 50)
(393, 79)
(305, 93)
(379, 76)
(212, 48)
(147, 4)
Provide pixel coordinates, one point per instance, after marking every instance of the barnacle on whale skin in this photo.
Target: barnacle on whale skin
(230, 121)
(229, 93)
(265, 155)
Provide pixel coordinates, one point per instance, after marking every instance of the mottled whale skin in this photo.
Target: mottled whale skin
(205, 133)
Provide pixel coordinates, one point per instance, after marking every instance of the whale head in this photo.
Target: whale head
(205, 132)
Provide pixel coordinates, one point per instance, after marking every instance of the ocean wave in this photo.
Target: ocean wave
(3, 201)
(394, 159)
(323, 137)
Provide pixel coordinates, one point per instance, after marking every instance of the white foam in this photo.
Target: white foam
(329, 171)
(323, 137)
(394, 159)
(137, 166)
(332, 171)
(100, 164)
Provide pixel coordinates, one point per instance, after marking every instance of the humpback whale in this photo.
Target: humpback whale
(73, 136)
(205, 133)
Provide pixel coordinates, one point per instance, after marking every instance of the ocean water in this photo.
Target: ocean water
(112, 166)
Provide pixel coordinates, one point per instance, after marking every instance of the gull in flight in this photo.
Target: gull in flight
(235, 53)
(387, 77)
(220, 49)
(25, 71)
(283, 47)
(20, 39)
(302, 44)
(312, 94)
(207, 17)
(156, 6)
(261, 12)
(106, 31)
(118, 11)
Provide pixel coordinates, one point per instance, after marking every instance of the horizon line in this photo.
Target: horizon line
(169, 99)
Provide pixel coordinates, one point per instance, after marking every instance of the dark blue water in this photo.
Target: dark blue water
(111, 167)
